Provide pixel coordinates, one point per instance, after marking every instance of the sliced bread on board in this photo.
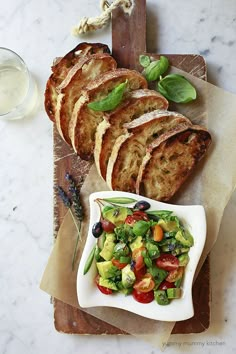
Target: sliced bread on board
(137, 103)
(130, 148)
(84, 121)
(169, 161)
(88, 68)
(61, 68)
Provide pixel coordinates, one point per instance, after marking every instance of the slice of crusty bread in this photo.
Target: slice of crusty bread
(61, 68)
(88, 68)
(170, 160)
(130, 148)
(84, 121)
(137, 103)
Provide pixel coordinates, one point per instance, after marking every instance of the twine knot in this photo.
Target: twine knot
(88, 24)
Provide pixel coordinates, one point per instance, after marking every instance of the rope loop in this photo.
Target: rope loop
(88, 24)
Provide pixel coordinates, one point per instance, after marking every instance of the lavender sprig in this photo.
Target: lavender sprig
(78, 210)
(64, 197)
(75, 202)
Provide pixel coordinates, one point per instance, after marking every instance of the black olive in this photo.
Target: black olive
(97, 229)
(142, 205)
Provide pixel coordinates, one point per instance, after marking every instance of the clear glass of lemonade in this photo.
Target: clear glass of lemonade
(18, 91)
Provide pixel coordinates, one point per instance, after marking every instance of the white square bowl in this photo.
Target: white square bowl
(193, 218)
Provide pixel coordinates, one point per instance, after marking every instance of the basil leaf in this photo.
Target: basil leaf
(111, 101)
(156, 69)
(144, 60)
(177, 88)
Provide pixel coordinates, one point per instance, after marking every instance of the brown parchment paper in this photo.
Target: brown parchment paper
(211, 185)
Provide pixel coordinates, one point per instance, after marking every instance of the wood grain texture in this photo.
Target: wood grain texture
(129, 41)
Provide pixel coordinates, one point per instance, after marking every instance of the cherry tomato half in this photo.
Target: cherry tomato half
(140, 215)
(103, 289)
(144, 298)
(117, 263)
(107, 226)
(175, 275)
(166, 285)
(167, 262)
(138, 258)
(145, 284)
(139, 274)
(158, 233)
(136, 216)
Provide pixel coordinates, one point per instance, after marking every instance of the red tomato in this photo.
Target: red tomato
(130, 220)
(140, 215)
(138, 258)
(107, 226)
(175, 274)
(145, 285)
(103, 289)
(167, 262)
(139, 274)
(144, 298)
(117, 263)
(136, 216)
(166, 285)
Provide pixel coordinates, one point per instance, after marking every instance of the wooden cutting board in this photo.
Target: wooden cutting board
(128, 42)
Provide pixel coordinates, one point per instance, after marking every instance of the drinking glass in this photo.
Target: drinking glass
(18, 91)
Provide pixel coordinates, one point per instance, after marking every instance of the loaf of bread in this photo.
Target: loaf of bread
(61, 68)
(130, 148)
(137, 103)
(84, 121)
(88, 68)
(169, 160)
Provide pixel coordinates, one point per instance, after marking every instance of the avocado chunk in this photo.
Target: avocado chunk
(120, 250)
(137, 243)
(107, 283)
(168, 225)
(116, 215)
(185, 238)
(106, 269)
(127, 276)
(158, 275)
(153, 250)
(178, 282)
(161, 297)
(183, 259)
(173, 293)
(108, 247)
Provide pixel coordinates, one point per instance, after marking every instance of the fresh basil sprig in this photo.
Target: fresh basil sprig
(144, 60)
(174, 87)
(111, 101)
(156, 68)
(177, 88)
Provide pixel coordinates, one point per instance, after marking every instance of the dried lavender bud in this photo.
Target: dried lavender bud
(75, 196)
(64, 197)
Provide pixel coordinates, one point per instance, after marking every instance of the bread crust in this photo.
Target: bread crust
(130, 148)
(60, 69)
(84, 121)
(137, 103)
(169, 161)
(88, 68)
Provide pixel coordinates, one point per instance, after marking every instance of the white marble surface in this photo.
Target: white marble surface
(40, 31)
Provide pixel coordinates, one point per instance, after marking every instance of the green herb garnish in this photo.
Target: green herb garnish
(111, 101)
(174, 87)
(177, 88)
(156, 68)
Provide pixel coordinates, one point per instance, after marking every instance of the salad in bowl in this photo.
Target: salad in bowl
(141, 255)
